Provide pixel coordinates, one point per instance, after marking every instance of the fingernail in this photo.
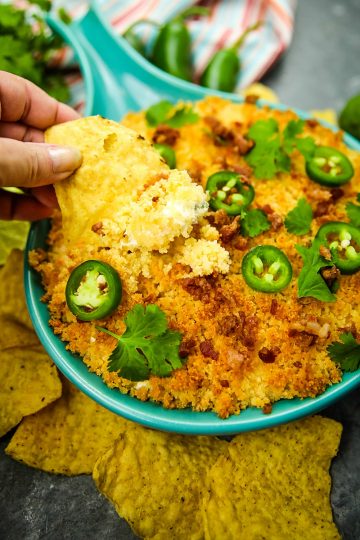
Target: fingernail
(64, 158)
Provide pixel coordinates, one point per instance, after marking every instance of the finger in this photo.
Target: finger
(31, 164)
(45, 195)
(22, 207)
(21, 100)
(20, 132)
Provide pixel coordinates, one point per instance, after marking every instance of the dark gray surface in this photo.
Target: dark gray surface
(321, 69)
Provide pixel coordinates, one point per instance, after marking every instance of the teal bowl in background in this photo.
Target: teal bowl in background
(118, 80)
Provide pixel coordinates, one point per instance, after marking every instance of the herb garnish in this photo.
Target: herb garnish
(146, 347)
(164, 112)
(310, 281)
(26, 46)
(254, 222)
(298, 220)
(272, 150)
(353, 212)
(347, 353)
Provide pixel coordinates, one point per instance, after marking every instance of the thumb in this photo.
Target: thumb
(35, 164)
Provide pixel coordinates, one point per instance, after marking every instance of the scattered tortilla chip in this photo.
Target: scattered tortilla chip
(329, 115)
(68, 436)
(28, 382)
(121, 158)
(262, 91)
(274, 484)
(12, 295)
(14, 334)
(13, 235)
(154, 479)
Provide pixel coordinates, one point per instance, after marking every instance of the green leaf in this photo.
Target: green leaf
(146, 347)
(310, 281)
(298, 220)
(347, 353)
(164, 112)
(272, 151)
(64, 15)
(254, 222)
(353, 213)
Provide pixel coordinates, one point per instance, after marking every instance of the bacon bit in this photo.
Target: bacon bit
(330, 275)
(251, 98)
(312, 123)
(241, 243)
(267, 409)
(227, 232)
(97, 228)
(223, 135)
(198, 287)
(155, 199)
(243, 170)
(325, 252)
(268, 355)
(336, 194)
(305, 338)
(322, 209)
(297, 364)
(267, 209)
(275, 219)
(218, 218)
(165, 135)
(225, 384)
(273, 307)
(231, 324)
(207, 349)
(249, 330)
(186, 347)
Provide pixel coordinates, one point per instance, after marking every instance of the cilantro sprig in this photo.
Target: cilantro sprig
(298, 220)
(346, 352)
(310, 281)
(26, 46)
(272, 150)
(254, 222)
(164, 112)
(353, 212)
(146, 347)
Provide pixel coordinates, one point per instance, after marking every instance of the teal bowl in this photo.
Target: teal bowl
(152, 414)
(119, 80)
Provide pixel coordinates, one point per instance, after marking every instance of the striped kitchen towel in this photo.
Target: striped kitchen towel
(226, 21)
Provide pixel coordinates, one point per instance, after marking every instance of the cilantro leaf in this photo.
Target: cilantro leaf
(310, 281)
(298, 220)
(165, 113)
(254, 222)
(272, 150)
(347, 353)
(146, 347)
(353, 212)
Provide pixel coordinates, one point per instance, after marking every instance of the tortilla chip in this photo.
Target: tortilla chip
(154, 479)
(114, 154)
(274, 484)
(28, 382)
(13, 235)
(68, 436)
(261, 91)
(14, 334)
(12, 295)
(329, 115)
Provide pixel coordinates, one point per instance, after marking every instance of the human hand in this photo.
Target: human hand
(25, 160)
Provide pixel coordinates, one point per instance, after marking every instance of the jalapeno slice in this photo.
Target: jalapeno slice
(228, 193)
(167, 153)
(93, 290)
(266, 269)
(329, 167)
(343, 240)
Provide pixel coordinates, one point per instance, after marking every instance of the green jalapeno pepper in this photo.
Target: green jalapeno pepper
(329, 167)
(349, 118)
(167, 153)
(343, 240)
(172, 47)
(222, 71)
(93, 290)
(266, 269)
(133, 39)
(228, 193)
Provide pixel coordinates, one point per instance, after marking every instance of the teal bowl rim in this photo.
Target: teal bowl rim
(68, 36)
(150, 414)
